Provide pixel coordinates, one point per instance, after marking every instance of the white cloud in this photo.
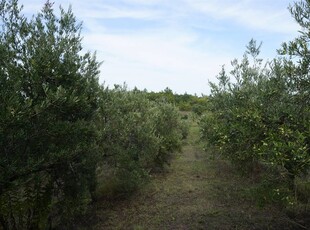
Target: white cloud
(145, 2)
(260, 15)
(101, 11)
(156, 59)
(188, 45)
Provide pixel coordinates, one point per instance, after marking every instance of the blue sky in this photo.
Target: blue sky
(180, 44)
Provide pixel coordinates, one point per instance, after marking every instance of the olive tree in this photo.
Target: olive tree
(48, 101)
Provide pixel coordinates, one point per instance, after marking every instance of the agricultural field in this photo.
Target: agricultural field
(197, 191)
(76, 154)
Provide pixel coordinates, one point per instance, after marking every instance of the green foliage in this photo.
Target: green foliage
(60, 131)
(272, 192)
(48, 100)
(168, 128)
(184, 126)
(259, 116)
(185, 102)
(137, 136)
(297, 63)
(234, 123)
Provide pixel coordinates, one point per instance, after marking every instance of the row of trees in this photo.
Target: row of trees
(137, 136)
(61, 133)
(259, 112)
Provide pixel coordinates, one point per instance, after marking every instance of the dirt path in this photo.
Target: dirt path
(195, 193)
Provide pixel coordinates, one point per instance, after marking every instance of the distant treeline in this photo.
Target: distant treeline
(185, 102)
